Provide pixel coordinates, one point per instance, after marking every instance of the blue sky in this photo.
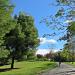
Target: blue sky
(38, 9)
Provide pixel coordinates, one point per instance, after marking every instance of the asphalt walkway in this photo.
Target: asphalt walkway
(64, 69)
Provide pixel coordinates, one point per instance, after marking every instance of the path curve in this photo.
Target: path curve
(64, 69)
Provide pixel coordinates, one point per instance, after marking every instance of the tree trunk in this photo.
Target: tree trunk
(12, 63)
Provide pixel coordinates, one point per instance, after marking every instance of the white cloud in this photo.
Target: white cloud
(45, 40)
(45, 51)
(56, 50)
(42, 51)
(68, 21)
(52, 41)
(42, 40)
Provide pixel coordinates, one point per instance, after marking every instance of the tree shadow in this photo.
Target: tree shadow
(67, 71)
(49, 64)
(39, 67)
(7, 69)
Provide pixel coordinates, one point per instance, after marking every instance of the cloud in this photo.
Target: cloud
(68, 21)
(42, 51)
(52, 41)
(45, 51)
(56, 50)
(45, 40)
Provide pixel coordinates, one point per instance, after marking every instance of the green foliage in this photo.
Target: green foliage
(69, 13)
(71, 28)
(4, 53)
(64, 1)
(72, 12)
(5, 17)
(22, 38)
(60, 12)
(18, 35)
(65, 54)
(39, 56)
(29, 30)
(6, 24)
(31, 55)
(3, 56)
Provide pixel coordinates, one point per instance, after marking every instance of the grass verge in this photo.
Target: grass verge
(70, 63)
(27, 68)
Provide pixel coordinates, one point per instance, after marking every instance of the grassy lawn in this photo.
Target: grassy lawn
(27, 68)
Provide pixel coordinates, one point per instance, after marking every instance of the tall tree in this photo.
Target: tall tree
(22, 38)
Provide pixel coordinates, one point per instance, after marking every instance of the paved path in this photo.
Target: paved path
(64, 69)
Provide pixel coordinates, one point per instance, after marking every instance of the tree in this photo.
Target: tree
(69, 16)
(39, 56)
(71, 29)
(31, 55)
(50, 55)
(3, 56)
(22, 38)
(6, 9)
(63, 21)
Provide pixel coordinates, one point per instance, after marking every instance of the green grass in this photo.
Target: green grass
(27, 68)
(70, 63)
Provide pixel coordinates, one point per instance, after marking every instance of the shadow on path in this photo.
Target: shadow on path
(66, 72)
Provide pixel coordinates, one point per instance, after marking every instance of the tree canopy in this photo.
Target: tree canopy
(6, 9)
(22, 38)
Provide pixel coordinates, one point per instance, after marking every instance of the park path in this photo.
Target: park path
(64, 69)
